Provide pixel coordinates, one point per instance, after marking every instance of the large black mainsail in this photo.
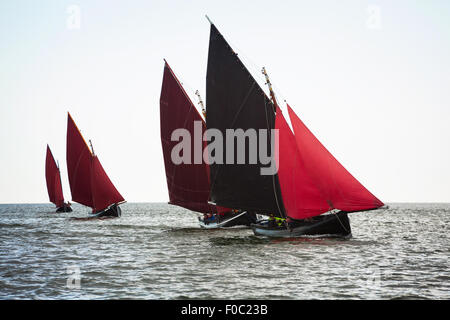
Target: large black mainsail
(235, 101)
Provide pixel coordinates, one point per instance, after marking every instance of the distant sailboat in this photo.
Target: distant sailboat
(309, 180)
(89, 183)
(188, 183)
(54, 186)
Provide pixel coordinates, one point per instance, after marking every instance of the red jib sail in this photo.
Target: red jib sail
(188, 184)
(340, 189)
(103, 191)
(301, 197)
(88, 181)
(53, 178)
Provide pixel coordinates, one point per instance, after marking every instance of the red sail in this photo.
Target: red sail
(188, 184)
(78, 165)
(53, 178)
(103, 191)
(301, 197)
(341, 190)
(89, 182)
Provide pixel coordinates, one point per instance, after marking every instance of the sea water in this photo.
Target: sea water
(158, 251)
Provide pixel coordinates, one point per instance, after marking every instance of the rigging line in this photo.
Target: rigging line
(244, 67)
(185, 85)
(278, 91)
(273, 155)
(275, 104)
(253, 67)
(243, 103)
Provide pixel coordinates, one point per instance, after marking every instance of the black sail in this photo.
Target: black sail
(234, 100)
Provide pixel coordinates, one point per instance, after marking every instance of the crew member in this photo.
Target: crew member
(271, 220)
(279, 221)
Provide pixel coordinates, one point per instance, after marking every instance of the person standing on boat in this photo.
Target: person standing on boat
(279, 222)
(271, 221)
(208, 217)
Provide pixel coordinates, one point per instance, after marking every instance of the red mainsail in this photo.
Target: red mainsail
(301, 197)
(53, 178)
(89, 183)
(188, 184)
(78, 157)
(336, 185)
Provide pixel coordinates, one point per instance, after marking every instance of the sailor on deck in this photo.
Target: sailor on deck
(208, 217)
(275, 221)
(280, 221)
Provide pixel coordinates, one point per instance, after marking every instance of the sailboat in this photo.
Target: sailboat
(311, 193)
(89, 183)
(54, 186)
(188, 182)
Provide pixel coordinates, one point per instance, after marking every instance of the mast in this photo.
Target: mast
(269, 84)
(92, 147)
(200, 102)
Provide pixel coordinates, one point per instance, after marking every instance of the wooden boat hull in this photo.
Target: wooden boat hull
(330, 225)
(114, 212)
(243, 219)
(64, 209)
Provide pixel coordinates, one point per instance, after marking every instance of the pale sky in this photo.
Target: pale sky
(371, 79)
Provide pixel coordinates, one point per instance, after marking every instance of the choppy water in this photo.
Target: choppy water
(157, 251)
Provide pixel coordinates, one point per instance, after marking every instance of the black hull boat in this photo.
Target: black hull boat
(112, 212)
(228, 220)
(54, 185)
(64, 209)
(329, 225)
(309, 185)
(89, 183)
(308, 181)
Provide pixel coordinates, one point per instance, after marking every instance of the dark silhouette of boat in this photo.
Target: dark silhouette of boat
(311, 193)
(54, 186)
(89, 183)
